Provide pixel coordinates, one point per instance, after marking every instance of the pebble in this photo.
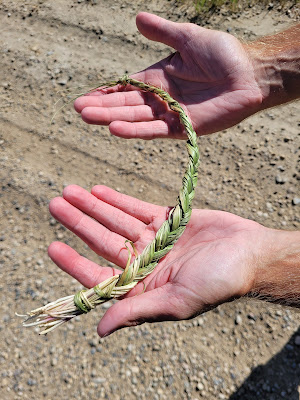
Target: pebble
(107, 305)
(280, 180)
(54, 362)
(200, 386)
(296, 201)
(60, 235)
(62, 82)
(135, 369)
(31, 382)
(53, 221)
(99, 380)
(6, 318)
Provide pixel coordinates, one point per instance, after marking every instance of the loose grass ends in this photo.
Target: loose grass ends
(54, 314)
(73, 96)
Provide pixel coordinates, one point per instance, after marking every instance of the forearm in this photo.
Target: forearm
(276, 63)
(277, 274)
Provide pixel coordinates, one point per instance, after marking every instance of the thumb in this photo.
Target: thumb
(161, 30)
(151, 306)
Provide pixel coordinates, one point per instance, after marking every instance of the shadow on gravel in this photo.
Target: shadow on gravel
(278, 379)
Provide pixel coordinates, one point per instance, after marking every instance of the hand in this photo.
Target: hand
(214, 260)
(210, 74)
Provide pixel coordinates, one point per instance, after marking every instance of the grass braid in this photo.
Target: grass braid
(54, 314)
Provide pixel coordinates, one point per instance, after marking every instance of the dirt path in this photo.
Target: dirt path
(243, 350)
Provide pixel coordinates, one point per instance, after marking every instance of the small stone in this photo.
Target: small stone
(38, 283)
(6, 318)
(54, 362)
(130, 347)
(93, 343)
(169, 381)
(297, 340)
(296, 201)
(62, 82)
(99, 380)
(280, 180)
(53, 221)
(107, 305)
(266, 387)
(238, 320)
(200, 387)
(156, 347)
(291, 190)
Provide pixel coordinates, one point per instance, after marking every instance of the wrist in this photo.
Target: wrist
(276, 65)
(277, 273)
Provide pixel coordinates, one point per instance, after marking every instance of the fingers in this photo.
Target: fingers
(118, 99)
(124, 106)
(147, 307)
(104, 116)
(105, 219)
(109, 216)
(135, 122)
(88, 273)
(145, 212)
(142, 130)
(130, 106)
(107, 244)
(161, 30)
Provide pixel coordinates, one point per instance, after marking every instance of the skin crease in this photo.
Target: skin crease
(220, 256)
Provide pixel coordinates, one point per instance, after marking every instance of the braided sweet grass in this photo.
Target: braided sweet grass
(56, 313)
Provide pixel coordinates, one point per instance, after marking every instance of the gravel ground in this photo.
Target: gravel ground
(242, 350)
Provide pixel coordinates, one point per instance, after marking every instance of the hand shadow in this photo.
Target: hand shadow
(278, 379)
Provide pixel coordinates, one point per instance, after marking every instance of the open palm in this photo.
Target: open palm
(210, 74)
(211, 263)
